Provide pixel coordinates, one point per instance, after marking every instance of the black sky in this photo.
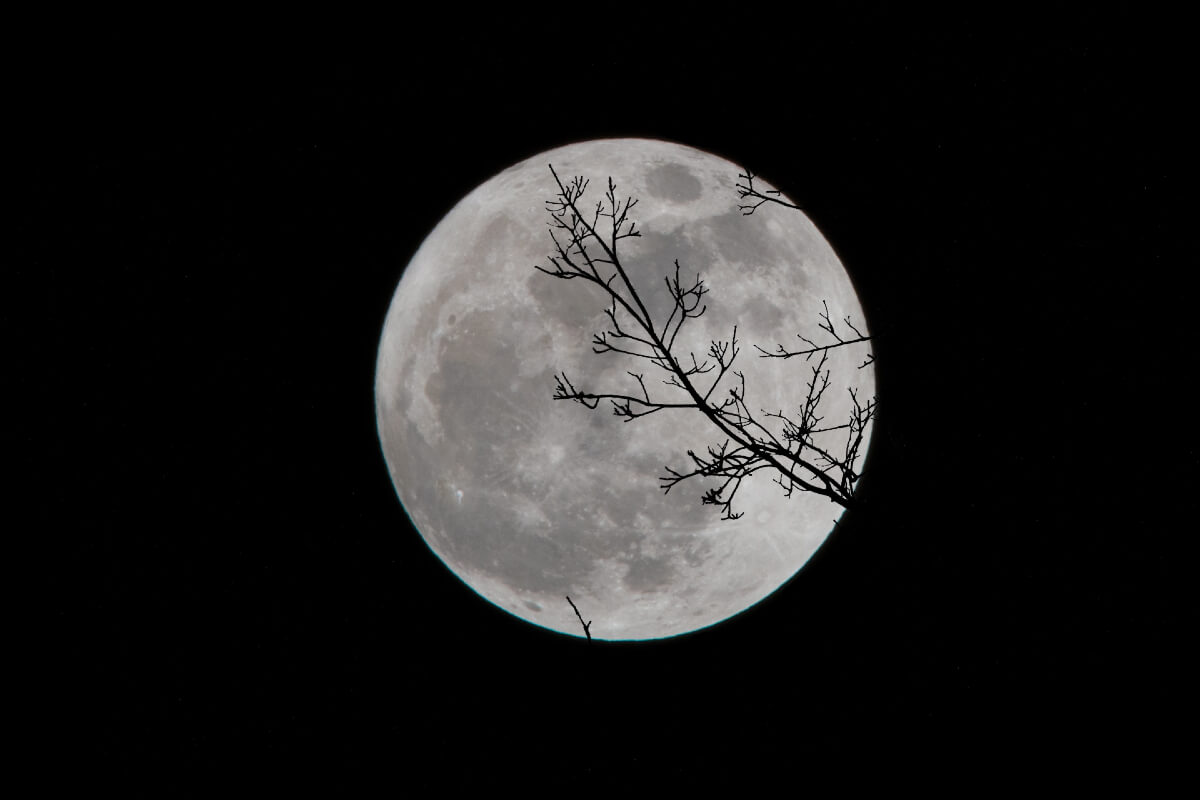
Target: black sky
(210, 242)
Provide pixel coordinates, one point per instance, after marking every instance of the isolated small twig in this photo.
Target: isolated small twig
(587, 626)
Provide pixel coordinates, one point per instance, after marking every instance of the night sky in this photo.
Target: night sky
(209, 243)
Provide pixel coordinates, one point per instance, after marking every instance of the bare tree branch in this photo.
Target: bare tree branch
(813, 348)
(746, 189)
(586, 246)
(587, 626)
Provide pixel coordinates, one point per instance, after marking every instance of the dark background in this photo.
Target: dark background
(210, 237)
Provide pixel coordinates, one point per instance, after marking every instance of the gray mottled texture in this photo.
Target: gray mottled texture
(528, 499)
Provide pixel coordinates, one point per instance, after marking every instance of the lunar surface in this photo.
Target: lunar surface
(528, 499)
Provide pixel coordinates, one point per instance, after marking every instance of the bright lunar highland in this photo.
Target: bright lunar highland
(528, 499)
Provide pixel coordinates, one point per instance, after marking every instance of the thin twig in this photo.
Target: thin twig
(587, 626)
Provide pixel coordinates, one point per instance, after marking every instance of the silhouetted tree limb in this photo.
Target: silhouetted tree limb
(813, 348)
(746, 189)
(586, 244)
(587, 626)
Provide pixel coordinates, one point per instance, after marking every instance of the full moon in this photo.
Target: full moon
(528, 499)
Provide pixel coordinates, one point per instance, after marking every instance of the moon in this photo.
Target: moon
(528, 499)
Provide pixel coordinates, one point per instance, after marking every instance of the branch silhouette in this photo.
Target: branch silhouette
(587, 626)
(757, 197)
(813, 348)
(587, 246)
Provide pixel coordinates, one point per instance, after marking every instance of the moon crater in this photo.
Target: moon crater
(673, 182)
